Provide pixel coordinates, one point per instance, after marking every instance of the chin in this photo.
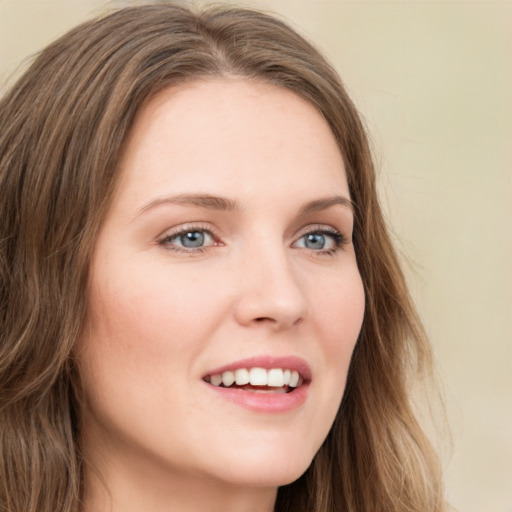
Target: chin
(268, 476)
(272, 470)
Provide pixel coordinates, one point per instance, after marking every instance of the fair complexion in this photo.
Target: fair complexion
(228, 239)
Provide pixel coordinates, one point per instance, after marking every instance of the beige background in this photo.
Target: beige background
(434, 82)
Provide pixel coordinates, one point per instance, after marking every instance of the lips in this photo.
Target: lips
(252, 379)
(270, 384)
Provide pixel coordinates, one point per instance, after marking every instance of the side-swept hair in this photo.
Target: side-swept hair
(63, 126)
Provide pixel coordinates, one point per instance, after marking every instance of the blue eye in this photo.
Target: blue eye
(321, 240)
(188, 239)
(314, 241)
(191, 239)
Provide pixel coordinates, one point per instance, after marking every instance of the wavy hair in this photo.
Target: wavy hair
(63, 128)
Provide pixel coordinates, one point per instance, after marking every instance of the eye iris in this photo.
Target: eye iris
(315, 241)
(192, 239)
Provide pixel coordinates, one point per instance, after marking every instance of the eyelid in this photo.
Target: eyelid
(321, 228)
(170, 233)
(340, 239)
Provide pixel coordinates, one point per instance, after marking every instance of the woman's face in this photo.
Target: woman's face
(226, 254)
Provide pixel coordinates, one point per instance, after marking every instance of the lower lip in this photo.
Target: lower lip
(264, 402)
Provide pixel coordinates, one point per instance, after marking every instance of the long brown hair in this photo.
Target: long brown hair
(62, 130)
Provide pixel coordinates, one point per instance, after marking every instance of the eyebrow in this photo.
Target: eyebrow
(224, 204)
(206, 201)
(325, 203)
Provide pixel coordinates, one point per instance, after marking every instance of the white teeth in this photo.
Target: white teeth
(242, 377)
(216, 380)
(294, 379)
(258, 376)
(274, 378)
(228, 378)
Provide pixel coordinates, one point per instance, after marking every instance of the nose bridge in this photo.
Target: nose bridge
(270, 289)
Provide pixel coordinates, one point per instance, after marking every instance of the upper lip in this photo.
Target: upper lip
(267, 362)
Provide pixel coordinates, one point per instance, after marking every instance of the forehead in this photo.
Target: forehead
(231, 135)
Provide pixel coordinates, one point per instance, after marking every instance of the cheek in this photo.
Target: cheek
(138, 351)
(339, 313)
(151, 314)
(145, 335)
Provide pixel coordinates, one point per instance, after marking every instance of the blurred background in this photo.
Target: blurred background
(433, 80)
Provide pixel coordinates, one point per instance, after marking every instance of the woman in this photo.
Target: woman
(201, 308)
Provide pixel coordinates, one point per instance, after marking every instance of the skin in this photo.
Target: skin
(161, 316)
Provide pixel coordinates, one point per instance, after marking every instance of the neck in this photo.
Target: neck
(136, 488)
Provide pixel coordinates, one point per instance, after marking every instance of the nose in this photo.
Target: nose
(270, 292)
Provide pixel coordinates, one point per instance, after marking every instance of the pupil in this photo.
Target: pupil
(192, 239)
(315, 241)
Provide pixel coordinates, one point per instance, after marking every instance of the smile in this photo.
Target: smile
(264, 384)
(258, 380)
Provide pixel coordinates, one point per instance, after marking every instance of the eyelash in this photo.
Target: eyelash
(338, 238)
(165, 241)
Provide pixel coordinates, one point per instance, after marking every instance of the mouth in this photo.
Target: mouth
(258, 380)
(264, 384)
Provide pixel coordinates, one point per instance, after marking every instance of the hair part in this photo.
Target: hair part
(64, 127)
